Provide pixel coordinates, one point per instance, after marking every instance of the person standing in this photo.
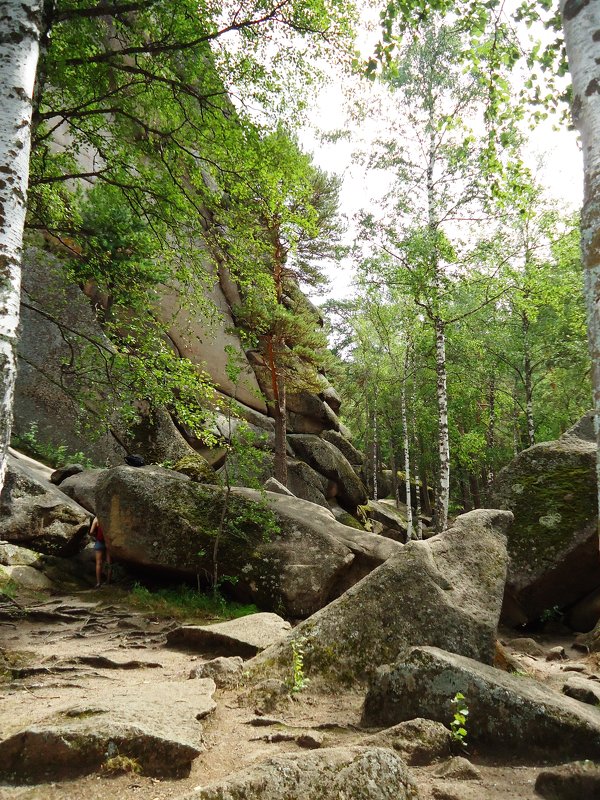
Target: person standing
(101, 552)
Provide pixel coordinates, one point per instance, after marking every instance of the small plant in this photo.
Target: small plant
(184, 602)
(298, 680)
(54, 455)
(551, 614)
(118, 765)
(458, 726)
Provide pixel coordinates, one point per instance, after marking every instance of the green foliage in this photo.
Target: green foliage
(50, 454)
(298, 680)
(121, 765)
(458, 725)
(186, 603)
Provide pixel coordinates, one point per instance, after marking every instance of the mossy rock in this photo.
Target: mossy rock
(197, 468)
(551, 489)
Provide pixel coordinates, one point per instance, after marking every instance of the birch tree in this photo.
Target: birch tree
(581, 23)
(19, 49)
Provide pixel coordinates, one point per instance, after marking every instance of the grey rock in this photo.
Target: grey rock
(392, 518)
(583, 429)
(37, 514)
(446, 592)
(584, 615)
(243, 637)
(556, 654)
(418, 741)
(507, 713)
(307, 483)
(25, 578)
(61, 473)
(553, 544)
(82, 488)
(579, 780)
(354, 456)
(528, 646)
(286, 553)
(273, 485)
(327, 774)
(329, 461)
(585, 691)
(458, 769)
(225, 671)
(332, 399)
(140, 724)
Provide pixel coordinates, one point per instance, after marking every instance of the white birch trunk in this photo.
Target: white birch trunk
(20, 23)
(375, 451)
(416, 470)
(406, 446)
(442, 499)
(581, 24)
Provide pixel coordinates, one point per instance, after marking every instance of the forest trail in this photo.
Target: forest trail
(81, 648)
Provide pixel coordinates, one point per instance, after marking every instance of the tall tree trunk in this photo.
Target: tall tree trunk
(528, 377)
(581, 23)
(425, 500)
(416, 454)
(279, 416)
(406, 445)
(474, 489)
(442, 498)
(375, 454)
(19, 49)
(490, 435)
(394, 466)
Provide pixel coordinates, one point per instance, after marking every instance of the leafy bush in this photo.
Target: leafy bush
(50, 454)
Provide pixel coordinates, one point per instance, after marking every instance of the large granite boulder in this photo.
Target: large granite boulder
(287, 554)
(329, 461)
(36, 514)
(306, 483)
(327, 774)
(354, 456)
(553, 545)
(507, 713)
(445, 592)
(244, 637)
(82, 488)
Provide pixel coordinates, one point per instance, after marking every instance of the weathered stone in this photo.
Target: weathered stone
(329, 461)
(418, 741)
(225, 671)
(354, 456)
(584, 690)
(61, 473)
(507, 713)
(326, 774)
(243, 637)
(273, 485)
(577, 781)
(446, 592)
(458, 769)
(286, 553)
(196, 468)
(82, 488)
(332, 399)
(139, 724)
(25, 578)
(35, 513)
(528, 646)
(304, 482)
(553, 544)
(556, 654)
(392, 519)
(345, 517)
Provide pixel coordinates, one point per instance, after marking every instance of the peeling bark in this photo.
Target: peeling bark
(20, 22)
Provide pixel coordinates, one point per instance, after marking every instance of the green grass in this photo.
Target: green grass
(184, 602)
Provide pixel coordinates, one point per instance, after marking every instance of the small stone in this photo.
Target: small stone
(582, 690)
(458, 769)
(579, 780)
(556, 654)
(526, 645)
(310, 740)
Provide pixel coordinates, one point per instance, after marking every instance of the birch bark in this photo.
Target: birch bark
(406, 445)
(581, 25)
(20, 23)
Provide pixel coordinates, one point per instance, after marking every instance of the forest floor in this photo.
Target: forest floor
(104, 629)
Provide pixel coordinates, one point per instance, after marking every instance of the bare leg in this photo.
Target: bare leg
(99, 562)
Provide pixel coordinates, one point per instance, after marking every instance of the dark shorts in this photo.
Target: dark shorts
(99, 545)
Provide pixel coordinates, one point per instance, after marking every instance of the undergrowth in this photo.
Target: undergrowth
(185, 602)
(53, 455)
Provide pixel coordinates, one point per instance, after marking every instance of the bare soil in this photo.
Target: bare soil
(56, 651)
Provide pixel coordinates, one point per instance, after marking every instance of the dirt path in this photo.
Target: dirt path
(70, 645)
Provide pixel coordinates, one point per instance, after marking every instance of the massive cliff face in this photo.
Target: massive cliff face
(65, 371)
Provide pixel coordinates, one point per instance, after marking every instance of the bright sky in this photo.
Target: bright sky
(553, 155)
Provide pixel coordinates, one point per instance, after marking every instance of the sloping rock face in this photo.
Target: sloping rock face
(34, 513)
(288, 555)
(553, 544)
(140, 725)
(445, 592)
(506, 713)
(329, 461)
(82, 488)
(243, 637)
(327, 774)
